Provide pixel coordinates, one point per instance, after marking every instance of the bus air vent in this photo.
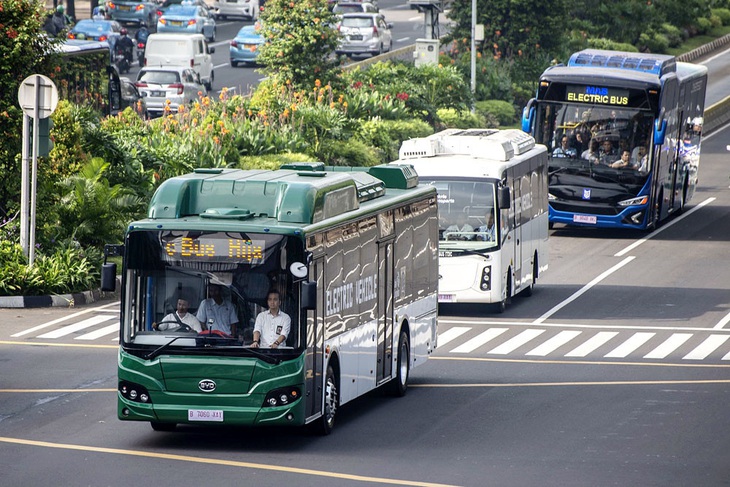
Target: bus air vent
(226, 213)
(395, 176)
(658, 64)
(303, 166)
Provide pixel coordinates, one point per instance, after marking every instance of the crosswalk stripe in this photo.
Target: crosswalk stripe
(107, 330)
(554, 343)
(517, 341)
(67, 330)
(669, 345)
(479, 340)
(451, 334)
(705, 348)
(635, 341)
(592, 343)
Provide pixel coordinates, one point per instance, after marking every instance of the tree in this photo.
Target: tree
(300, 41)
(20, 46)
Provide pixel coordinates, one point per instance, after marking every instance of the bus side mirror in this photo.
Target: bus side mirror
(504, 198)
(109, 277)
(528, 115)
(309, 295)
(660, 129)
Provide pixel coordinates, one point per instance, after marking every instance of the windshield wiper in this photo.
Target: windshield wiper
(154, 353)
(207, 341)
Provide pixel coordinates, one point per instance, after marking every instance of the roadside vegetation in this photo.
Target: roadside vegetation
(102, 170)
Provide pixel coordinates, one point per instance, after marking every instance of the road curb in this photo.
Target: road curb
(58, 300)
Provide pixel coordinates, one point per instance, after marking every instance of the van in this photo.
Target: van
(248, 9)
(185, 50)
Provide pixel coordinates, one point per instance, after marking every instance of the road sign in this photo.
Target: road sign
(38, 92)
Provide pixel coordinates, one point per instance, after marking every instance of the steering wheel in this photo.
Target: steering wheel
(181, 327)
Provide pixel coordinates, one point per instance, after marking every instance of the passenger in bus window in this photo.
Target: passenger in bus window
(273, 325)
(461, 230)
(641, 161)
(565, 150)
(217, 313)
(591, 153)
(607, 154)
(487, 232)
(179, 318)
(624, 161)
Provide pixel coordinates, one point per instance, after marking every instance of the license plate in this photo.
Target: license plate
(205, 415)
(447, 298)
(585, 219)
(356, 38)
(157, 94)
(176, 23)
(124, 7)
(250, 47)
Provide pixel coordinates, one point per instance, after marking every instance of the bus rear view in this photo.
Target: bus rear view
(623, 133)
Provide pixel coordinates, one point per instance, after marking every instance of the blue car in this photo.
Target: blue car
(96, 30)
(245, 46)
(187, 19)
(135, 12)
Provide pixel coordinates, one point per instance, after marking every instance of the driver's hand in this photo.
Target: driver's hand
(254, 345)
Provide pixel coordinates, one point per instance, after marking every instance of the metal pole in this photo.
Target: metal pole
(34, 173)
(473, 46)
(24, 187)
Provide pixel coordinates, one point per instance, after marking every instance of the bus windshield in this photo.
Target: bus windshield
(468, 216)
(222, 280)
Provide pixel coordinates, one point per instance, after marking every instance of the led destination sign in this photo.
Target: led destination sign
(597, 94)
(214, 248)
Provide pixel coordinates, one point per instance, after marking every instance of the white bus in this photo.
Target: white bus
(493, 211)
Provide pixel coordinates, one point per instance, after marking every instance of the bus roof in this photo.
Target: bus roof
(303, 195)
(472, 152)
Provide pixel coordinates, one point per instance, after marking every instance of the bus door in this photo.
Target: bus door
(670, 100)
(517, 229)
(385, 310)
(314, 361)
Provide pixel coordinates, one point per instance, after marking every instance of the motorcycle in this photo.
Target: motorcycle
(140, 53)
(122, 61)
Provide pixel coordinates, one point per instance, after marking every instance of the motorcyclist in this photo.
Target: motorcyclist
(142, 34)
(125, 45)
(100, 14)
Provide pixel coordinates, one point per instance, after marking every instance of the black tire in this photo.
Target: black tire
(163, 426)
(527, 292)
(399, 385)
(502, 305)
(326, 423)
(212, 39)
(234, 64)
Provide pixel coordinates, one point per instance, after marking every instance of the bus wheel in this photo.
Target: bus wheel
(163, 426)
(528, 290)
(331, 403)
(502, 305)
(399, 385)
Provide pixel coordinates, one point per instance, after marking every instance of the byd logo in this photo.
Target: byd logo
(206, 385)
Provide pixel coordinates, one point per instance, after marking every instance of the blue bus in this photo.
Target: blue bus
(623, 135)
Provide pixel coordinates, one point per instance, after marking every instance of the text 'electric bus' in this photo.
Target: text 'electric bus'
(492, 198)
(623, 130)
(353, 256)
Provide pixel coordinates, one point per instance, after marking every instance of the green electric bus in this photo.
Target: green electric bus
(353, 254)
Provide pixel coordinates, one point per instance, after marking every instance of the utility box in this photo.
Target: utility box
(427, 52)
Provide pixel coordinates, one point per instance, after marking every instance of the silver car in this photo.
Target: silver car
(365, 33)
(168, 87)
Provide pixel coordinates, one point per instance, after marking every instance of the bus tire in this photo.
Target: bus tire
(399, 385)
(527, 292)
(326, 423)
(157, 426)
(502, 305)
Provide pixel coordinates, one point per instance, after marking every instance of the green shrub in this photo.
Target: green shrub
(673, 34)
(703, 25)
(723, 14)
(351, 152)
(273, 161)
(608, 44)
(501, 111)
(387, 135)
(459, 119)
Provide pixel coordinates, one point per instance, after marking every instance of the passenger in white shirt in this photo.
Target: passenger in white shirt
(180, 317)
(272, 326)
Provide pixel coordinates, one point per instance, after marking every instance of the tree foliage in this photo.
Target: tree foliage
(300, 41)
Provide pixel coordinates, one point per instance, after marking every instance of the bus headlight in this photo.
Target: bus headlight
(281, 397)
(551, 197)
(641, 200)
(134, 392)
(486, 282)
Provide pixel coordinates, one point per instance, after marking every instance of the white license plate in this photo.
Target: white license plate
(205, 415)
(176, 23)
(356, 38)
(447, 298)
(585, 219)
(157, 94)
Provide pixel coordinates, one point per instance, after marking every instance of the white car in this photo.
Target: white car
(170, 86)
(248, 9)
(364, 33)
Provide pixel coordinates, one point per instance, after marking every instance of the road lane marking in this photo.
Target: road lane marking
(515, 342)
(591, 344)
(215, 461)
(80, 325)
(577, 362)
(56, 344)
(451, 334)
(479, 340)
(636, 340)
(554, 343)
(659, 230)
(107, 330)
(582, 290)
(709, 345)
(721, 324)
(573, 384)
(59, 320)
(669, 345)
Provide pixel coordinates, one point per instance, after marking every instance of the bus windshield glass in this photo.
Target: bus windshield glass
(468, 216)
(220, 280)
